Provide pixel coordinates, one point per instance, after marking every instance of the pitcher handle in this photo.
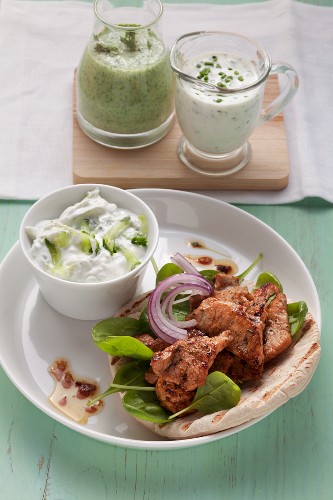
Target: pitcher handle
(278, 104)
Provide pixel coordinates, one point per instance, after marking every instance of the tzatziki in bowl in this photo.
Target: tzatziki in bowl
(88, 246)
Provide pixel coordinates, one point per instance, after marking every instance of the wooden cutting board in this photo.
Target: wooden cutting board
(158, 166)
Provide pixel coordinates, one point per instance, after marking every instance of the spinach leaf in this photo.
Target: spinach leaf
(124, 346)
(127, 375)
(114, 336)
(167, 270)
(181, 309)
(144, 323)
(208, 274)
(116, 326)
(267, 277)
(132, 374)
(145, 405)
(296, 315)
(218, 393)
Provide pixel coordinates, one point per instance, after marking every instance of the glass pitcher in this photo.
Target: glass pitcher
(125, 85)
(219, 98)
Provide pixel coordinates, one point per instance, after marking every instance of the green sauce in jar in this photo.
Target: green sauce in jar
(125, 83)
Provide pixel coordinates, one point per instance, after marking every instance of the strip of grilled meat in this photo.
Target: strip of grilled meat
(187, 362)
(235, 368)
(277, 337)
(182, 367)
(172, 396)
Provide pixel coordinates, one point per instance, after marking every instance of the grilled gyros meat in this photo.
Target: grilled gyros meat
(260, 325)
(237, 331)
(277, 337)
(187, 362)
(183, 367)
(265, 311)
(214, 316)
(235, 368)
(172, 396)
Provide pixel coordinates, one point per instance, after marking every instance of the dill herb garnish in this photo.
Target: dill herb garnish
(129, 39)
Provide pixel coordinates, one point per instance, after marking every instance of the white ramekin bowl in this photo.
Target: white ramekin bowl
(87, 301)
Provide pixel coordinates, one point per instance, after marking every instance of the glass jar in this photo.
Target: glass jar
(125, 85)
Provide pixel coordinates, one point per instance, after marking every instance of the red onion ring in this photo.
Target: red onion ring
(168, 302)
(184, 264)
(160, 314)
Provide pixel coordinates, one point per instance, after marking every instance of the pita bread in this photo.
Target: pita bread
(284, 378)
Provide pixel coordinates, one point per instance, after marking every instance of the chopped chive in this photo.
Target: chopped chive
(218, 65)
(208, 63)
(204, 72)
(198, 65)
(214, 58)
(218, 100)
(236, 72)
(240, 78)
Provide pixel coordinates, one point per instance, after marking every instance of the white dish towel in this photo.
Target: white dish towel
(41, 44)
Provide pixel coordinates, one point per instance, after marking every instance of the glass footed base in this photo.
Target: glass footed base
(125, 141)
(213, 165)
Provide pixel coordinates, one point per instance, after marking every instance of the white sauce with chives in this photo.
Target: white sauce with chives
(216, 123)
(91, 241)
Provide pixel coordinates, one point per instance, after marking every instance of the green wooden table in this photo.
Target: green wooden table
(288, 455)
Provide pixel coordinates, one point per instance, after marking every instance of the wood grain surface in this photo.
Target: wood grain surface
(159, 166)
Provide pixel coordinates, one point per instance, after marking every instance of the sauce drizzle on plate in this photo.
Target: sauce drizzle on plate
(71, 393)
(227, 265)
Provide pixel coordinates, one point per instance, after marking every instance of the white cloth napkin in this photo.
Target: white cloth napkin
(41, 44)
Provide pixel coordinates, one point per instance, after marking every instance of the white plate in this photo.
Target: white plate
(32, 335)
